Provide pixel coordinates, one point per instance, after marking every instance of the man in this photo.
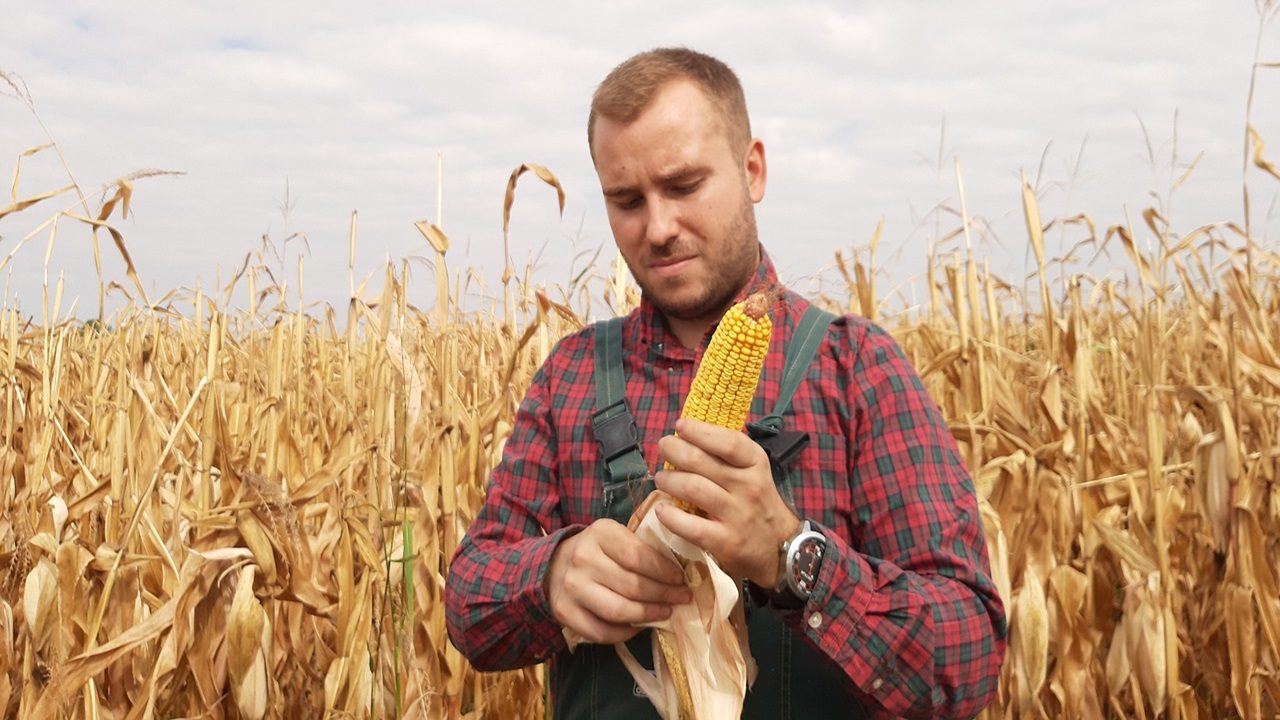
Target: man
(900, 617)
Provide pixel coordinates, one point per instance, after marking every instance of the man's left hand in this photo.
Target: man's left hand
(727, 476)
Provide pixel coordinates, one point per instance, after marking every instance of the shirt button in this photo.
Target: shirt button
(659, 347)
(815, 621)
(877, 683)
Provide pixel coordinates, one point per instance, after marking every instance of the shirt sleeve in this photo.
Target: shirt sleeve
(907, 607)
(496, 607)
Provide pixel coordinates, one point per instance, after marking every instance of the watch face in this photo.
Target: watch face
(805, 564)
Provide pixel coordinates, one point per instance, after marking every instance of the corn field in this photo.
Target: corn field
(249, 513)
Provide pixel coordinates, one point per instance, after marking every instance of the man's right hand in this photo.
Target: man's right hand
(604, 581)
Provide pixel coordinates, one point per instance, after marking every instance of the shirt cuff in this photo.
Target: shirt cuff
(836, 620)
(539, 600)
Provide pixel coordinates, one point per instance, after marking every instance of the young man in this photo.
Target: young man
(900, 617)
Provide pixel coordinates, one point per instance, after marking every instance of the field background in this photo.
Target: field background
(218, 509)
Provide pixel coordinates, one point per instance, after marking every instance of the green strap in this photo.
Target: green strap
(611, 384)
(782, 445)
(800, 352)
(612, 423)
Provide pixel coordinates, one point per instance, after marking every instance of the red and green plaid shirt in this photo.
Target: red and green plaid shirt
(904, 602)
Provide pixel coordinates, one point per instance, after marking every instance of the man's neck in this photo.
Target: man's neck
(690, 332)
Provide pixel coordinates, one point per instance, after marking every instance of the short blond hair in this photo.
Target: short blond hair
(631, 86)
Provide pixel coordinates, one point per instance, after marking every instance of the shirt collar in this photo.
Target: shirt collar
(649, 327)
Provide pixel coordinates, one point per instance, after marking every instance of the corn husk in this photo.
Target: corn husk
(248, 649)
(708, 633)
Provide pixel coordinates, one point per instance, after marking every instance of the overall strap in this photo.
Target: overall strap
(612, 422)
(782, 445)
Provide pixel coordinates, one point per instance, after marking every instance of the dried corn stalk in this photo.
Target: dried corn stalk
(1048, 400)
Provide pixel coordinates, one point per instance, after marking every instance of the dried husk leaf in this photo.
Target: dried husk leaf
(348, 683)
(1127, 549)
(39, 603)
(712, 651)
(8, 657)
(258, 541)
(1075, 641)
(1145, 639)
(6, 637)
(997, 550)
(58, 515)
(1030, 639)
(248, 649)
(1119, 668)
(1242, 650)
(1215, 484)
(1259, 570)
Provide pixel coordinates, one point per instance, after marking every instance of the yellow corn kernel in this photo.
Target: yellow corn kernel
(684, 698)
(730, 369)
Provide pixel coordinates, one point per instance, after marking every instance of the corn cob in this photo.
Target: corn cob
(721, 394)
(684, 698)
(730, 368)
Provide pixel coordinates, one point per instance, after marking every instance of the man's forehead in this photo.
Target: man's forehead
(679, 101)
(674, 133)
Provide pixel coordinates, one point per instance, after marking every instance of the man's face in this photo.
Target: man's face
(679, 199)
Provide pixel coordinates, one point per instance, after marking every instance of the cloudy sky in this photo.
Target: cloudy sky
(863, 108)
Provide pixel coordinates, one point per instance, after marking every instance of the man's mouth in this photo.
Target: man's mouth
(667, 267)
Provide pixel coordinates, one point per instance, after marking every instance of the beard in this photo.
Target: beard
(729, 274)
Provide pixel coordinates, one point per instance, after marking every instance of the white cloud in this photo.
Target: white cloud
(352, 105)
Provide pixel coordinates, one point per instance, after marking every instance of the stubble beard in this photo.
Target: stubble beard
(728, 275)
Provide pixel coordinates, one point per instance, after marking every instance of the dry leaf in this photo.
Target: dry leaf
(543, 174)
(248, 649)
(1258, 160)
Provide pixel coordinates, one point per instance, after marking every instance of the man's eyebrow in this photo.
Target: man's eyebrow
(618, 190)
(677, 175)
(682, 173)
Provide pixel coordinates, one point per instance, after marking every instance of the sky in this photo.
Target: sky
(287, 117)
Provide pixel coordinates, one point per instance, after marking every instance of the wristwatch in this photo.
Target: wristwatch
(799, 563)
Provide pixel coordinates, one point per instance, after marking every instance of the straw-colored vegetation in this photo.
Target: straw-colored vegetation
(249, 514)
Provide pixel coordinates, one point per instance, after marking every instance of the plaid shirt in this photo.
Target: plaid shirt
(904, 601)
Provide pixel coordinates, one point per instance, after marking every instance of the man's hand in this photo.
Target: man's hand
(726, 475)
(604, 580)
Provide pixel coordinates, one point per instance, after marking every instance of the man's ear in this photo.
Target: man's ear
(753, 166)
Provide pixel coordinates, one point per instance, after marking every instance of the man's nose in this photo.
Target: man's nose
(663, 222)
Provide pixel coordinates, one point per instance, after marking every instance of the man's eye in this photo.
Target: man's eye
(686, 188)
